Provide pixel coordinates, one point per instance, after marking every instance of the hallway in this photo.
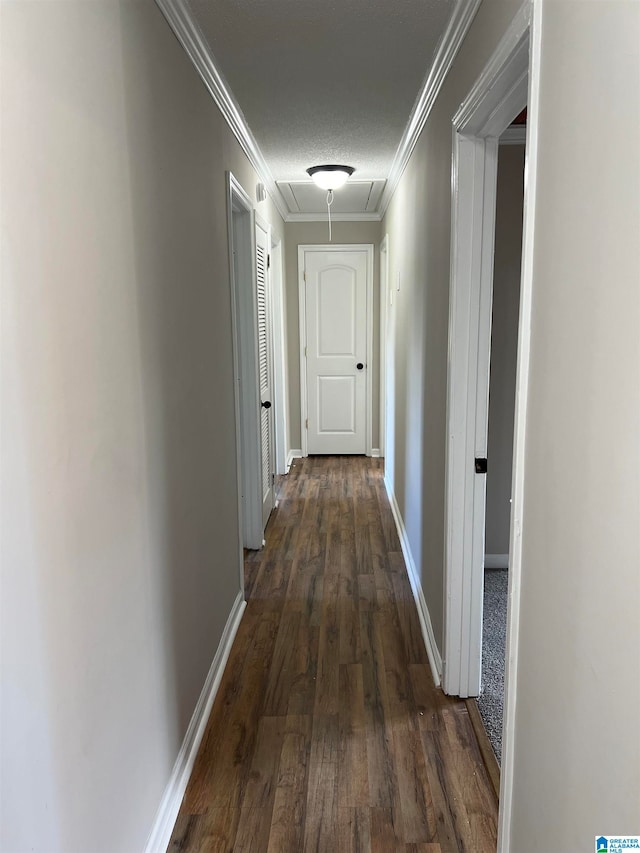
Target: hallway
(327, 733)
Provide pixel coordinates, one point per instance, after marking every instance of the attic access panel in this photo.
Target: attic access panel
(353, 198)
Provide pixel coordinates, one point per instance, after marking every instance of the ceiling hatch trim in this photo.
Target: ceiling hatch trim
(335, 217)
(188, 33)
(461, 19)
(307, 202)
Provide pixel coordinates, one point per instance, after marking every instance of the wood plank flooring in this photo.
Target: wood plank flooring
(327, 733)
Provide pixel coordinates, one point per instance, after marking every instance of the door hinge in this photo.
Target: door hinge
(305, 352)
(304, 275)
(268, 262)
(306, 424)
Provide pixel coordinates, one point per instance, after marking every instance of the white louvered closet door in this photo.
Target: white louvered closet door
(264, 370)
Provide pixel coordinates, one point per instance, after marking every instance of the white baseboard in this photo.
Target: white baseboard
(496, 561)
(375, 453)
(291, 455)
(433, 653)
(160, 836)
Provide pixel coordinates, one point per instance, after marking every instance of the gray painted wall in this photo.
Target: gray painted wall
(418, 222)
(120, 558)
(317, 233)
(504, 345)
(577, 750)
(578, 662)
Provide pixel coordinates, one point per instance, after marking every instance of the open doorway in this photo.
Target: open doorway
(501, 92)
(499, 95)
(502, 390)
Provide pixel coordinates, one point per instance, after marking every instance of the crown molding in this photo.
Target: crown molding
(335, 217)
(447, 50)
(515, 134)
(181, 21)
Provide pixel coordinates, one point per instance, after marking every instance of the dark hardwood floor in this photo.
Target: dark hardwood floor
(327, 733)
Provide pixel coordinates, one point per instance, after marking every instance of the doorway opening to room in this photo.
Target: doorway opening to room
(502, 389)
(499, 95)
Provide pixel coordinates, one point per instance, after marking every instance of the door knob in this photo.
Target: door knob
(266, 404)
(359, 365)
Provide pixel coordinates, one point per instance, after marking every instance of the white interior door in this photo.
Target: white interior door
(336, 318)
(264, 371)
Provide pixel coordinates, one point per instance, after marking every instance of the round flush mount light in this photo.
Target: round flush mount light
(330, 176)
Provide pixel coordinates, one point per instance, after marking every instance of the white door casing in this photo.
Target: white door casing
(263, 303)
(278, 337)
(384, 330)
(336, 368)
(498, 96)
(509, 81)
(388, 414)
(245, 361)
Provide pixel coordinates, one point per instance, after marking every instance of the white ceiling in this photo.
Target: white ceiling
(324, 81)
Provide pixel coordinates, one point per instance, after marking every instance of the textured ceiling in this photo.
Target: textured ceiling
(324, 80)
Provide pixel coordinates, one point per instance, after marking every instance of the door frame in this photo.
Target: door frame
(261, 223)
(279, 338)
(510, 80)
(302, 315)
(244, 333)
(382, 356)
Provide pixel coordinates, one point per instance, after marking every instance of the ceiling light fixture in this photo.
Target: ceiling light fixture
(330, 177)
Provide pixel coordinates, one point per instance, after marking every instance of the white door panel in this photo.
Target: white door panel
(336, 404)
(336, 343)
(336, 312)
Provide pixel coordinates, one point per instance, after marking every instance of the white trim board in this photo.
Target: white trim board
(278, 349)
(496, 561)
(244, 329)
(165, 819)
(486, 111)
(461, 19)
(433, 653)
(519, 436)
(383, 287)
(181, 21)
(335, 217)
